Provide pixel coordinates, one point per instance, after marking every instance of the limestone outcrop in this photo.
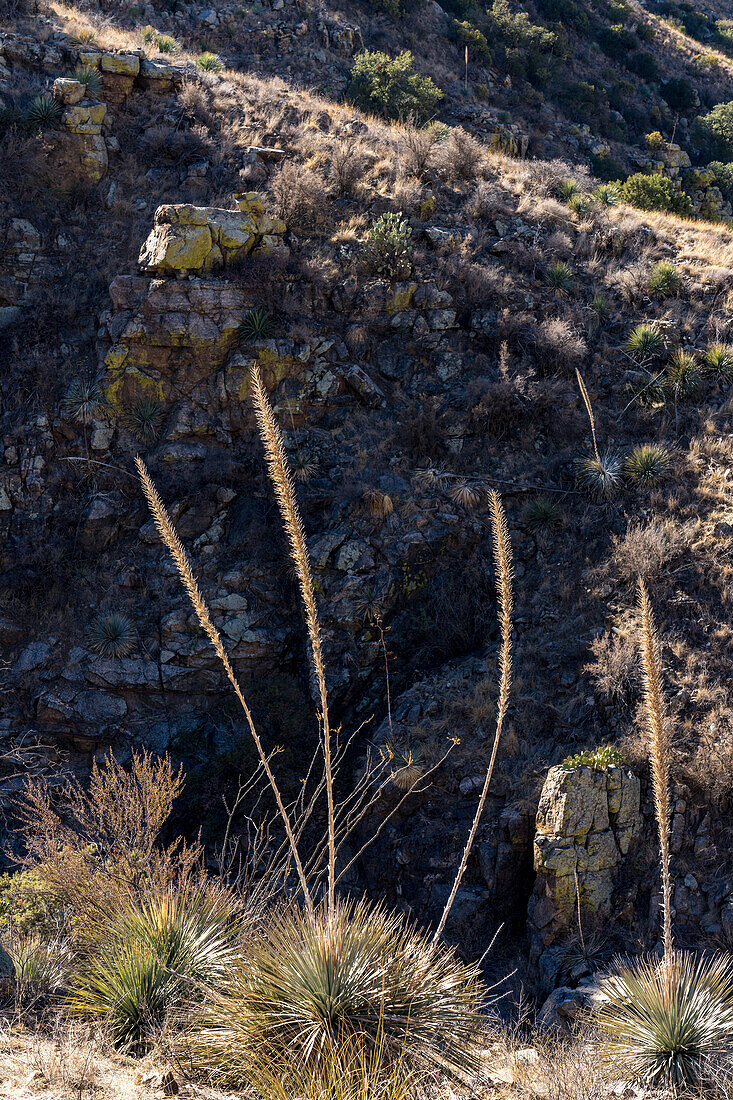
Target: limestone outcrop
(586, 821)
(189, 239)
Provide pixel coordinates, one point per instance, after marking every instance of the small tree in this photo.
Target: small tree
(389, 86)
(716, 129)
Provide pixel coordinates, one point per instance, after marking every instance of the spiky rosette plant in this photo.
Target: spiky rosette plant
(559, 277)
(154, 955)
(90, 78)
(719, 363)
(144, 418)
(43, 112)
(310, 983)
(256, 325)
(668, 1024)
(684, 375)
(112, 635)
(645, 342)
(647, 462)
(406, 765)
(542, 514)
(84, 400)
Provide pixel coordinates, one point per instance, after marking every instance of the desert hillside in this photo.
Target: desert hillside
(416, 320)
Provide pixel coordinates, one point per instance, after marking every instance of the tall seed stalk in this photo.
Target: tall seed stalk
(180, 559)
(503, 567)
(589, 410)
(282, 482)
(657, 729)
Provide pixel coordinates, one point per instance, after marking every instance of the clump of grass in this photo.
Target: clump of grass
(151, 957)
(647, 462)
(664, 279)
(144, 418)
(210, 62)
(645, 342)
(90, 78)
(541, 514)
(256, 325)
(379, 504)
(304, 466)
(162, 42)
(39, 963)
(559, 276)
(600, 306)
(600, 758)
(309, 984)
(719, 363)
(112, 635)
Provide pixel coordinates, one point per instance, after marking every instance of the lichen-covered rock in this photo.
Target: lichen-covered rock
(586, 821)
(188, 238)
(68, 91)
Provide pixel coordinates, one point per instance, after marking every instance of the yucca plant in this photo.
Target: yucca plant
(39, 963)
(256, 325)
(584, 953)
(90, 78)
(210, 62)
(111, 635)
(719, 363)
(304, 466)
(683, 376)
(645, 342)
(353, 1072)
(664, 279)
(559, 276)
(541, 514)
(84, 400)
(43, 112)
(566, 189)
(152, 957)
(144, 419)
(607, 194)
(598, 473)
(467, 495)
(599, 305)
(308, 984)
(647, 462)
(668, 1024)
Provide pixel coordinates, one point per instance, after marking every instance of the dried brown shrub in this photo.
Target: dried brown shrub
(560, 345)
(648, 551)
(460, 156)
(299, 196)
(416, 150)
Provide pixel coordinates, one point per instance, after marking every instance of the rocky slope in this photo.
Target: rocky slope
(166, 228)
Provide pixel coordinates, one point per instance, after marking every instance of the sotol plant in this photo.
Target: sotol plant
(645, 342)
(664, 280)
(647, 462)
(90, 78)
(599, 474)
(210, 62)
(256, 325)
(112, 635)
(559, 277)
(144, 418)
(719, 363)
(668, 1022)
(43, 112)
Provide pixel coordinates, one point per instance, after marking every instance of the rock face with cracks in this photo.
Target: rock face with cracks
(586, 822)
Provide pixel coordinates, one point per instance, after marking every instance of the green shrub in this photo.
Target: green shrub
(716, 129)
(388, 246)
(664, 279)
(210, 62)
(722, 176)
(604, 756)
(467, 35)
(389, 86)
(616, 41)
(644, 64)
(655, 192)
(541, 514)
(308, 984)
(152, 957)
(668, 1024)
(26, 903)
(679, 94)
(526, 48)
(645, 32)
